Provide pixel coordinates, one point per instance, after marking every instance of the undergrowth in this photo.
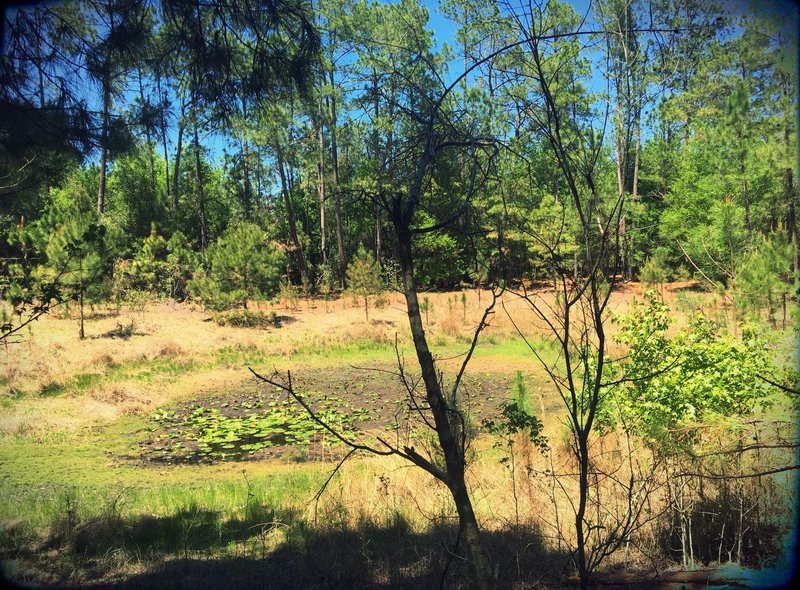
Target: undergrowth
(243, 318)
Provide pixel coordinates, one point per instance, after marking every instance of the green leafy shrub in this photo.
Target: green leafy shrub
(697, 400)
(159, 268)
(518, 417)
(364, 277)
(655, 270)
(243, 318)
(242, 265)
(148, 269)
(181, 262)
(697, 375)
(437, 260)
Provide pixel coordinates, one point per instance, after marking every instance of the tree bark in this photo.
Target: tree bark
(376, 151)
(247, 205)
(101, 191)
(746, 199)
(151, 160)
(791, 215)
(201, 193)
(321, 188)
(336, 200)
(81, 331)
(163, 97)
(178, 152)
(290, 214)
(451, 447)
(583, 495)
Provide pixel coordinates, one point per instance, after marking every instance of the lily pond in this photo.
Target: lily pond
(260, 421)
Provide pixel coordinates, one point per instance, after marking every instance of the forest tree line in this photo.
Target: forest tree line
(185, 148)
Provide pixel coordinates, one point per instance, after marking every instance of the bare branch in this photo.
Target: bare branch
(481, 326)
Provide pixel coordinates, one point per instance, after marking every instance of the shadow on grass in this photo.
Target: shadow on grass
(196, 549)
(693, 287)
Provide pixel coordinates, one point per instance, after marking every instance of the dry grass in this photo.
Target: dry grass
(53, 369)
(56, 385)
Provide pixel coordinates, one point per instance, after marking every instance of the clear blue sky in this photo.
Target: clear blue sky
(782, 11)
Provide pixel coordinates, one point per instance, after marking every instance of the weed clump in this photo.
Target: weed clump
(243, 318)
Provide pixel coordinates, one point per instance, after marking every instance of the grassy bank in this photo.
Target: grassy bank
(96, 488)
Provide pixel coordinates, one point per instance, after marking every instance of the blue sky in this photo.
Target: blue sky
(783, 11)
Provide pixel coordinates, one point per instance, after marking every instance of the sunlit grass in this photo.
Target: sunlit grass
(74, 413)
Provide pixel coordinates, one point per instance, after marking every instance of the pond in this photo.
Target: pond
(260, 421)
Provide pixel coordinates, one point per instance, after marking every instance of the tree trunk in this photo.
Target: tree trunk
(637, 145)
(622, 150)
(321, 188)
(39, 64)
(290, 215)
(451, 448)
(746, 199)
(201, 194)
(336, 201)
(630, 236)
(151, 160)
(81, 332)
(791, 216)
(378, 234)
(259, 185)
(583, 496)
(376, 152)
(101, 191)
(178, 152)
(247, 205)
(163, 97)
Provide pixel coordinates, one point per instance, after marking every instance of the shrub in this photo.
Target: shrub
(242, 318)
(181, 262)
(437, 260)
(326, 280)
(288, 294)
(655, 269)
(242, 265)
(364, 277)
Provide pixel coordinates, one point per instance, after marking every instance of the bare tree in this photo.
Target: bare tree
(431, 407)
(576, 318)
(430, 135)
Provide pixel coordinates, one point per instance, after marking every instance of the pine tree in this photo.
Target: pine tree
(364, 277)
(243, 265)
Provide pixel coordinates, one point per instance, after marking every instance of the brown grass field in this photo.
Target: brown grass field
(95, 490)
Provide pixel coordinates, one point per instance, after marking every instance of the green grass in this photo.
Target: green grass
(361, 350)
(52, 389)
(240, 355)
(41, 483)
(167, 370)
(515, 353)
(201, 513)
(40, 480)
